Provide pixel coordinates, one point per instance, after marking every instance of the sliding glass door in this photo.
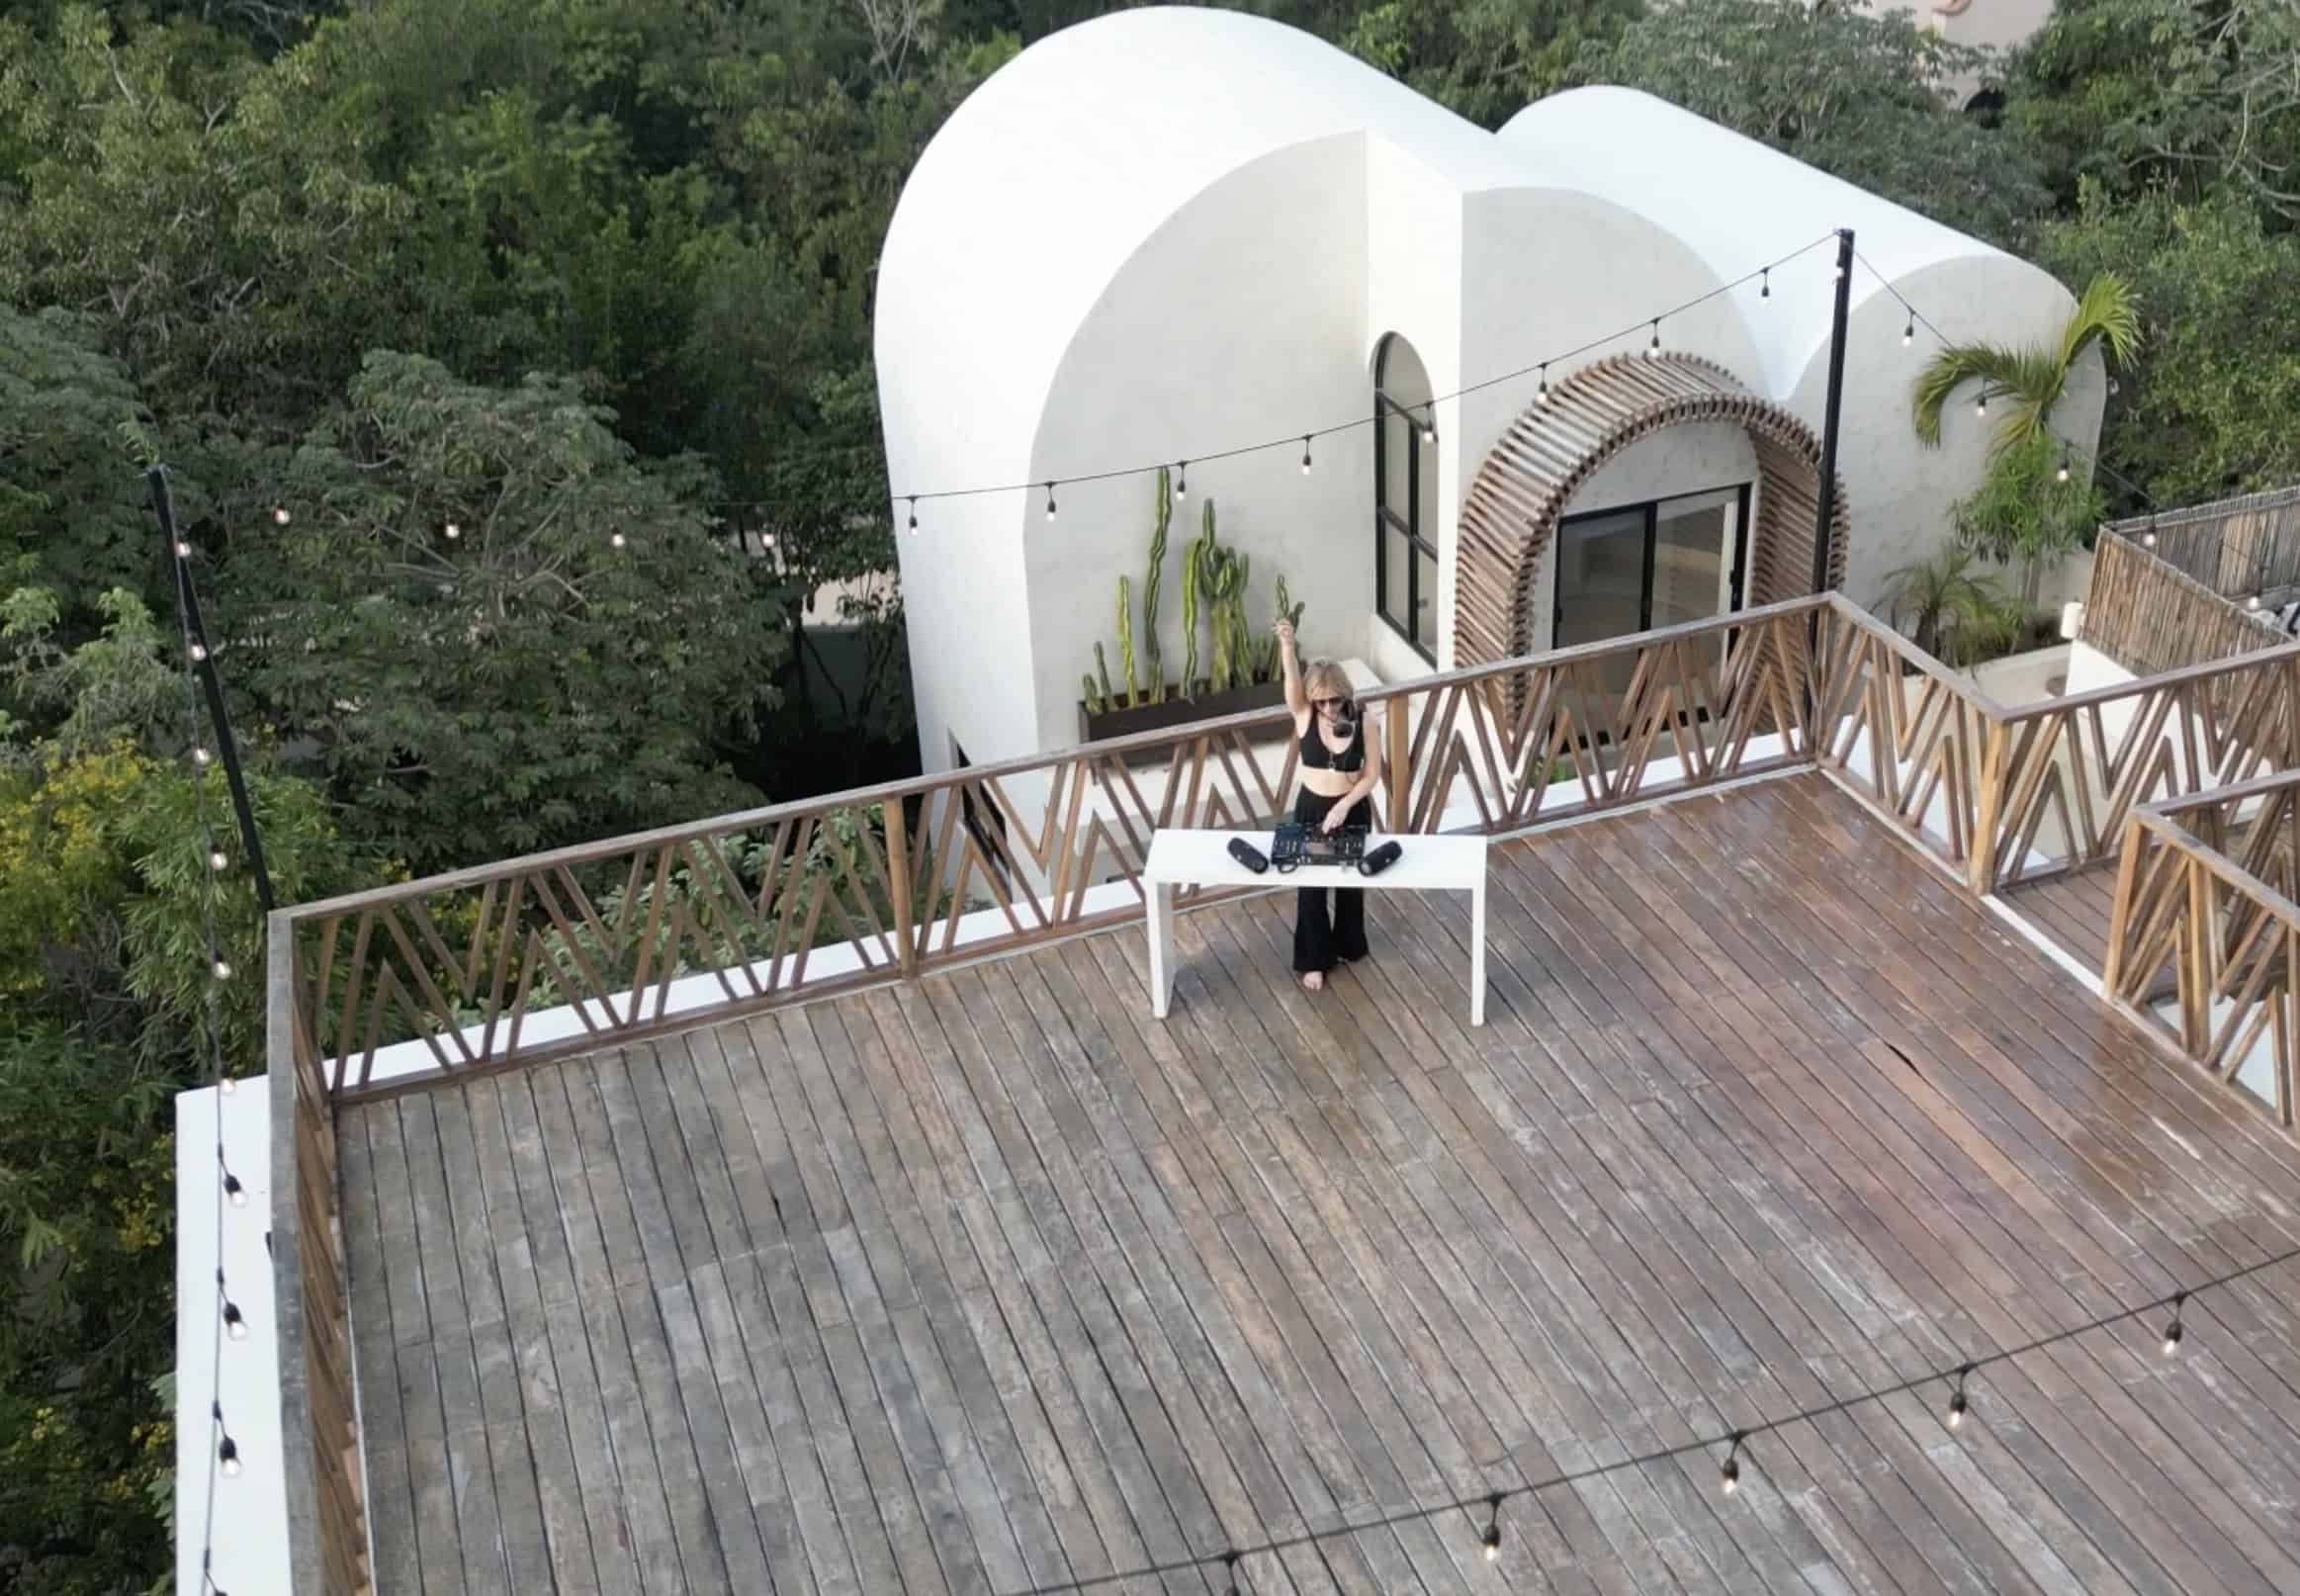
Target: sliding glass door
(1644, 566)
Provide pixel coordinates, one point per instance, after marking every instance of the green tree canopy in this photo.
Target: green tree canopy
(1859, 94)
(558, 669)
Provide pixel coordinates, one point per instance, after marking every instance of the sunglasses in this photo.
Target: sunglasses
(1326, 703)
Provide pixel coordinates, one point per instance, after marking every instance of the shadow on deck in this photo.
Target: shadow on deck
(992, 1281)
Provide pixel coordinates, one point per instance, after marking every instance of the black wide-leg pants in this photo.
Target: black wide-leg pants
(1323, 939)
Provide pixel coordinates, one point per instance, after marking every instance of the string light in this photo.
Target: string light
(233, 1191)
(1541, 393)
(198, 652)
(1427, 422)
(222, 967)
(1729, 1472)
(226, 1450)
(1655, 348)
(1231, 1575)
(1765, 283)
(1305, 454)
(1049, 502)
(1908, 333)
(1981, 404)
(616, 539)
(2062, 475)
(200, 754)
(234, 1325)
(1491, 1538)
(183, 550)
(280, 515)
(217, 860)
(453, 531)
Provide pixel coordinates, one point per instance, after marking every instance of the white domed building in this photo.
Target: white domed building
(1170, 234)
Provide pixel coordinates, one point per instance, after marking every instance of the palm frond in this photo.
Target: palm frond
(1995, 369)
(2106, 313)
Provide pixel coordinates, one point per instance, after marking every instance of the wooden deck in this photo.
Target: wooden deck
(992, 1281)
(2073, 908)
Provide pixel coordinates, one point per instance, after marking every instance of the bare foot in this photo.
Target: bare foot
(1312, 981)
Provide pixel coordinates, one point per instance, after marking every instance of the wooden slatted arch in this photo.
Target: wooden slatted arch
(1510, 517)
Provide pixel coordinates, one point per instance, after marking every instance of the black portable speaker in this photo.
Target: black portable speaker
(1380, 858)
(1248, 854)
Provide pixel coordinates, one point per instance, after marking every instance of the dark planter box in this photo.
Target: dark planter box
(1176, 711)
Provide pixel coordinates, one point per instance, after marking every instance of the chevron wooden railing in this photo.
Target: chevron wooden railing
(555, 954)
(2075, 768)
(1921, 743)
(2228, 935)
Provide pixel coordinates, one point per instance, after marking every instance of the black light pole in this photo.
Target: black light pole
(1831, 407)
(204, 667)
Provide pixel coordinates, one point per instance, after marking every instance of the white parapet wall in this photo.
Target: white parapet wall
(247, 1534)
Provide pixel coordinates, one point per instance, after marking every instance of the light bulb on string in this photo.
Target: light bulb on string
(233, 1193)
(226, 1450)
(616, 540)
(1729, 1477)
(217, 859)
(2062, 475)
(1491, 1538)
(183, 550)
(226, 1085)
(1231, 1575)
(453, 531)
(1541, 393)
(234, 1323)
(2172, 1330)
(1980, 405)
(1049, 502)
(200, 754)
(1765, 283)
(914, 516)
(1429, 424)
(1654, 348)
(1958, 1406)
(220, 967)
(1181, 479)
(1908, 333)
(198, 652)
(280, 515)
(1305, 455)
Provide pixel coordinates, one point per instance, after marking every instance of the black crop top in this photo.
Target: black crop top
(1315, 756)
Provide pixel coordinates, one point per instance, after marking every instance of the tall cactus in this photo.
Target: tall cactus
(1189, 574)
(1094, 703)
(1163, 512)
(1240, 637)
(1291, 614)
(1126, 643)
(1102, 670)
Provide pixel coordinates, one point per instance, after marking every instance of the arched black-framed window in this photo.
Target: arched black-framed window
(1405, 498)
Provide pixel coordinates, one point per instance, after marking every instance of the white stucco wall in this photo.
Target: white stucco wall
(1249, 304)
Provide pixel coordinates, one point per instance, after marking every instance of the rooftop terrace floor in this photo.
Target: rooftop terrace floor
(992, 1281)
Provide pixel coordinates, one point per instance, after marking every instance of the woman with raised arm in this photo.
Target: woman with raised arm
(1341, 761)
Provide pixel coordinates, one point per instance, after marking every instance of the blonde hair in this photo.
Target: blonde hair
(1324, 678)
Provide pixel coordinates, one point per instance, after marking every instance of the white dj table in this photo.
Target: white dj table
(1190, 858)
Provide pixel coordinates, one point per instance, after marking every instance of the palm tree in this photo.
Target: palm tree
(2033, 378)
(1944, 596)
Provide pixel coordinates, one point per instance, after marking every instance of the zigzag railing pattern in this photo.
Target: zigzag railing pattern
(2077, 767)
(2228, 936)
(560, 952)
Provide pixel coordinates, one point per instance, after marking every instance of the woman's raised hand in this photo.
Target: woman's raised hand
(1284, 630)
